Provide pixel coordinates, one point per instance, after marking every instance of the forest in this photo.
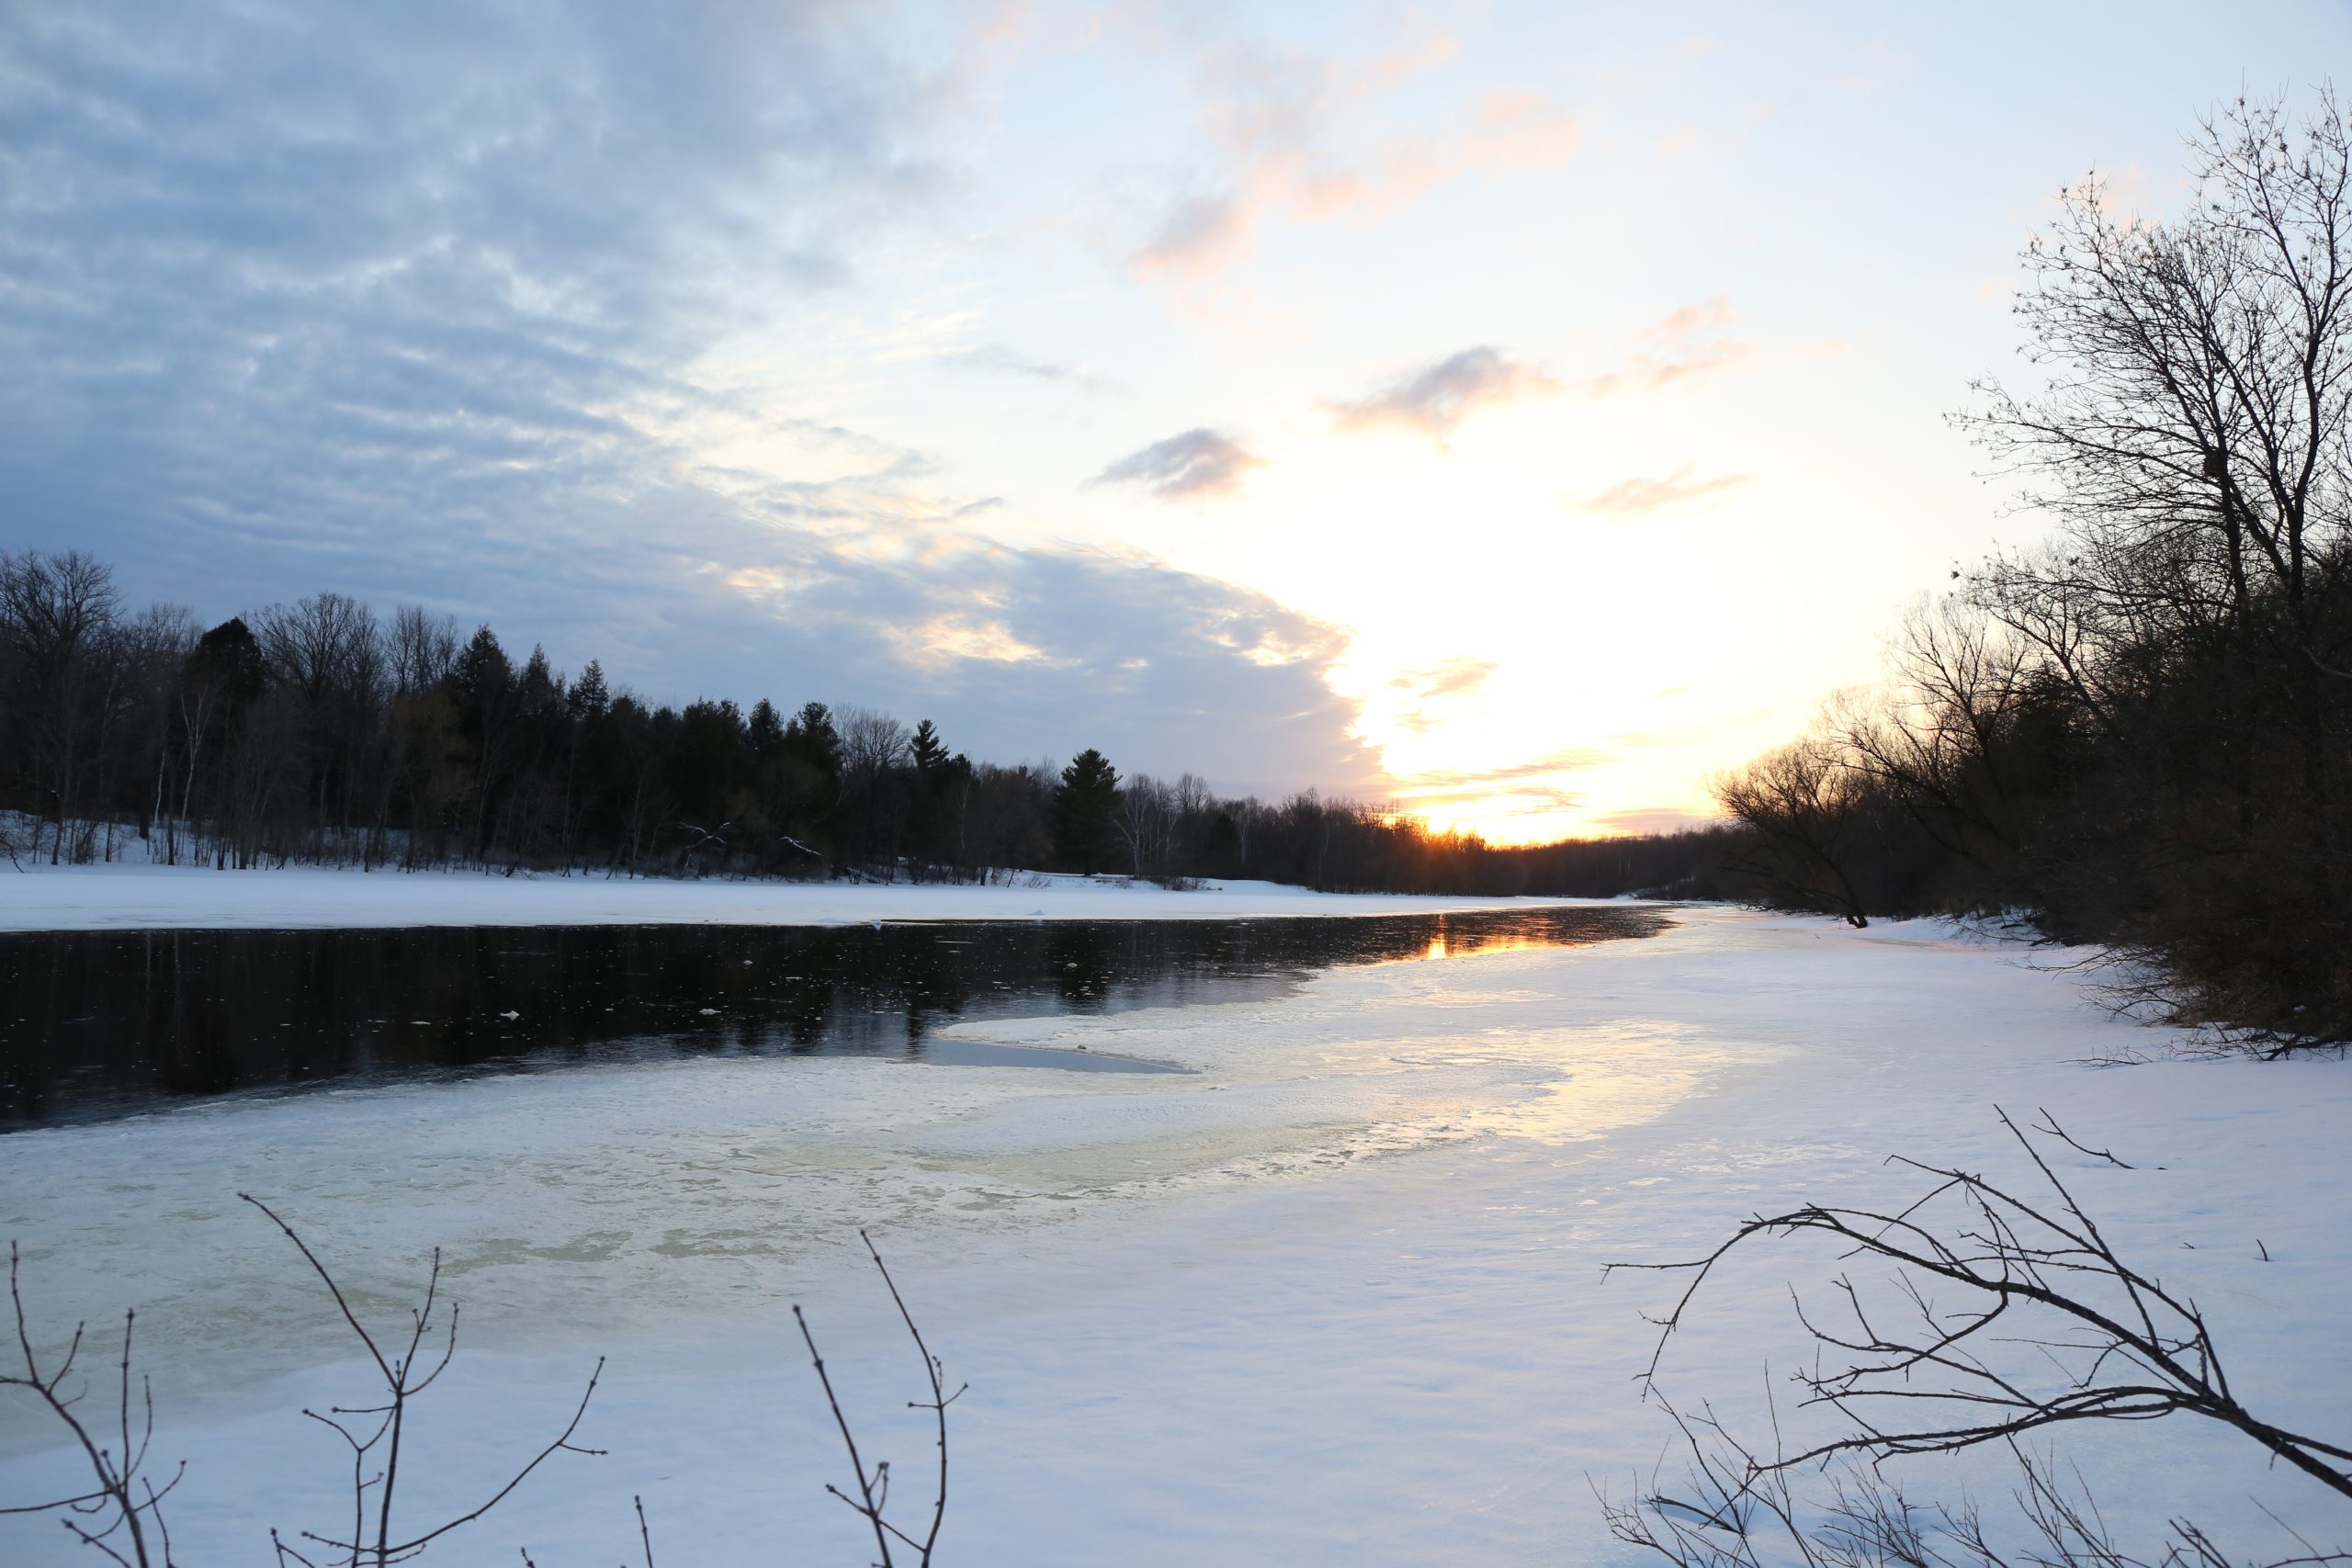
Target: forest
(323, 732)
(2139, 732)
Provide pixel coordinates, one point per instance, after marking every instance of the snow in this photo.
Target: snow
(1335, 1296)
(130, 896)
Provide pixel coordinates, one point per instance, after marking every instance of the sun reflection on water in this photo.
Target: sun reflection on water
(1448, 943)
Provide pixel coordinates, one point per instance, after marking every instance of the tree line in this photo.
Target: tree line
(325, 732)
(2139, 732)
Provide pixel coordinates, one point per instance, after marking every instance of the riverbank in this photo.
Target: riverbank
(127, 896)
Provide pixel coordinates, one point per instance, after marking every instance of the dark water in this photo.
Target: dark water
(95, 1024)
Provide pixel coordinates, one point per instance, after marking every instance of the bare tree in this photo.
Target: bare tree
(2137, 730)
(1935, 741)
(422, 649)
(327, 653)
(155, 648)
(325, 643)
(2192, 437)
(1807, 806)
(874, 747)
(56, 612)
(872, 741)
(1147, 821)
(2194, 440)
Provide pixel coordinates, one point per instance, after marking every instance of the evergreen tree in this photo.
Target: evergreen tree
(764, 730)
(930, 753)
(227, 664)
(482, 686)
(589, 696)
(480, 682)
(943, 784)
(1221, 852)
(585, 751)
(707, 762)
(1085, 806)
(811, 738)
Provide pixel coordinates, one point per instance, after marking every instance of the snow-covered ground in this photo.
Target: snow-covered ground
(1335, 1298)
(129, 894)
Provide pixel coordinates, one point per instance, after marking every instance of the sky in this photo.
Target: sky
(1516, 411)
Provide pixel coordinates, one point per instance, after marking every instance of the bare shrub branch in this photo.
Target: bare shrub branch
(873, 1484)
(2053, 1327)
(407, 1371)
(116, 1516)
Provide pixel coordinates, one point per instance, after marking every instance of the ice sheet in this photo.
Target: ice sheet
(1333, 1296)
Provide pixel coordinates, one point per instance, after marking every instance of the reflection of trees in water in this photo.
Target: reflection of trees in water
(98, 1022)
(1078, 958)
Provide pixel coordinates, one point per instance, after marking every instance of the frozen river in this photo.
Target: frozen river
(1330, 1294)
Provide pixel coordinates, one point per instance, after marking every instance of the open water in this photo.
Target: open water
(98, 1024)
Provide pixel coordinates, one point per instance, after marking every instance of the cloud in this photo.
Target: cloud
(1527, 800)
(1017, 651)
(1511, 129)
(1194, 466)
(1396, 69)
(1537, 787)
(1436, 399)
(1654, 819)
(1196, 235)
(282, 274)
(1640, 497)
(1290, 135)
(427, 306)
(1684, 345)
(1453, 678)
(1702, 317)
(1478, 781)
(998, 359)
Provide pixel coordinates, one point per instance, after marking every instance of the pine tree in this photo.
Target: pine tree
(811, 738)
(482, 683)
(590, 696)
(539, 689)
(764, 730)
(1221, 852)
(1084, 807)
(929, 753)
(942, 786)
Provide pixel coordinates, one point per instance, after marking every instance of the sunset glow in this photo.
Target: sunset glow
(1515, 412)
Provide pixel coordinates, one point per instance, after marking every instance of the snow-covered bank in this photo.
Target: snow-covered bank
(134, 896)
(1336, 1298)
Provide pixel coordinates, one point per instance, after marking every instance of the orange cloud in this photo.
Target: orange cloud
(1677, 348)
(1270, 116)
(1451, 678)
(1640, 497)
(1654, 819)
